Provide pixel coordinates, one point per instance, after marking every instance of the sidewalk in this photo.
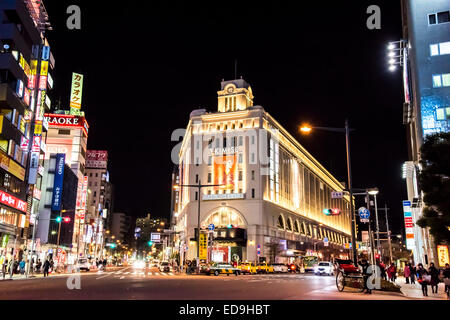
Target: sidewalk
(415, 290)
(53, 274)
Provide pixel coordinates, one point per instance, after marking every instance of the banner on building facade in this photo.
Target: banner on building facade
(225, 172)
(58, 181)
(76, 93)
(96, 159)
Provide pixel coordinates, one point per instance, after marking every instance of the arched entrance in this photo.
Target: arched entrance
(229, 238)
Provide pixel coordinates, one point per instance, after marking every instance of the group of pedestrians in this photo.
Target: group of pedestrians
(20, 266)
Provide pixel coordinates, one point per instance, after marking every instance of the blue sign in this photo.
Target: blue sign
(211, 227)
(364, 213)
(58, 181)
(45, 53)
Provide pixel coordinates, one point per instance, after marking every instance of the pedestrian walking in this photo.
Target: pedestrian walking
(407, 273)
(423, 278)
(434, 273)
(4, 268)
(365, 267)
(412, 270)
(22, 266)
(447, 279)
(47, 266)
(11, 268)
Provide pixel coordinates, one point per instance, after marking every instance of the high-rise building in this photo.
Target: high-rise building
(67, 135)
(268, 192)
(100, 191)
(25, 66)
(424, 56)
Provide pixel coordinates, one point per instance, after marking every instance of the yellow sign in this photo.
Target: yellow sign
(12, 167)
(38, 129)
(76, 92)
(203, 252)
(442, 251)
(44, 68)
(1, 123)
(33, 66)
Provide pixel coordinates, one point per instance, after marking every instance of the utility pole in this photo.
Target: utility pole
(378, 228)
(388, 232)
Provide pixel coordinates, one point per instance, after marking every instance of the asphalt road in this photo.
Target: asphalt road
(127, 283)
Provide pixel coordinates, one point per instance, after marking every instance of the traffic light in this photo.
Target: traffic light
(329, 212)
(58, 219)
(66, 219)
(150, 243)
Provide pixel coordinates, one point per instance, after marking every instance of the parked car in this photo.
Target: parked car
(263, 267)
(165, 267)
(247, 268)
(324, 267)
(83, 264)
(280, 268)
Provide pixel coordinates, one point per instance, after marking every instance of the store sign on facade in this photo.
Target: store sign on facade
(409, 225)
(442, 252)
(12, 201)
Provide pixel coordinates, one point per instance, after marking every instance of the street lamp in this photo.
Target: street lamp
(199, 186)
(374, 192)
(346, 130)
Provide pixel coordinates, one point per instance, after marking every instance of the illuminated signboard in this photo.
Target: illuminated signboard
(36, 193)
(24, 143)
(66, 120)
(203, 250)
(76, 92)
(442, 251)
(409, 225)
(85, 191)
(36, 144)
(43, 82)
(44, 68)
(12, 201)
(19, 88)
(58, 182)
(26, 96)
(224, 172)
(96, 159)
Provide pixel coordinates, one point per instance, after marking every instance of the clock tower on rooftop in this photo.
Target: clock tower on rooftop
(234, 95)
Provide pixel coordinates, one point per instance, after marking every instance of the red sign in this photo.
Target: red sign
(13, 202)
(96, 158)
(66, 120)
(224, 172)
(36, 144)
(43, 82)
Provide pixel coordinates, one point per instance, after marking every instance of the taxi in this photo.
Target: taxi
(248, 268)
(222, 268)
(263, 267)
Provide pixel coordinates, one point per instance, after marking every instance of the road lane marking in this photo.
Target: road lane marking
(156, 273)
(106, 275)
(128, 272)
(170, 273)
(122, 277)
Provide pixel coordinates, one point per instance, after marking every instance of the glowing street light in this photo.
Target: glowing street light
(305, 128)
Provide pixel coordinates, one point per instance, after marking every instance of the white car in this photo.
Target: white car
(83, 264)
(165, 267)
(324, 267)
(280, 268)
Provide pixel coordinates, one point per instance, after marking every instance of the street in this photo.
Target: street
(130, 284)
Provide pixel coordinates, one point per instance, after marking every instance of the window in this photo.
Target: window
(432, 19)
(241, 140)
(96, 175)
(224, 142)
(95, 193)
(443, 113)
(196, 178)
(196, 195)
(296, 227)
(434, 50)
(209, 177)
(443, 17)
(280, 222)
(252, 139)
(253, 174)
(441, 80)
(289, 224)
(240, 158)
(440, 17)
(240, 175)
(253, 193)
(442, 48)
(63, 131)
(209, 160)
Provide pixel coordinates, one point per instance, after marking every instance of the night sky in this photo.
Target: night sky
(148, 64)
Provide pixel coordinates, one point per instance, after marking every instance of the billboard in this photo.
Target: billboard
(11, 201)
(66, 121)
(96, 159)
(58, 181)
(76, 93)
(225, 172)
(409, 225)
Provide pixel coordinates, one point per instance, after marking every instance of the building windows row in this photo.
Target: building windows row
(442, 48)
(438, 18)
(441, 80)
(443, 113)
(308, 230)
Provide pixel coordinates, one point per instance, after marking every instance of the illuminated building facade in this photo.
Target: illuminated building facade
(26, 64)
(270, 192)
(426, 80)
(67, 135)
